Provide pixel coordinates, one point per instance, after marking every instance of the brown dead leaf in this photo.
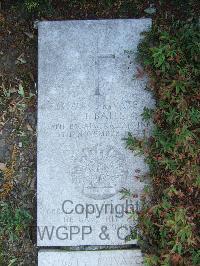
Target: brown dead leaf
(177, 131)
(21, 59)
(2, 18)
(29, 127)
(176, 259)
(29, 34)
(2, 166)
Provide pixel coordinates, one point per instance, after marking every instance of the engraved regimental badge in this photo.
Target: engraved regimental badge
(99, 172)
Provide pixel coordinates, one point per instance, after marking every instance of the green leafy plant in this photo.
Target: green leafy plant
(169, 219)
(13, 222)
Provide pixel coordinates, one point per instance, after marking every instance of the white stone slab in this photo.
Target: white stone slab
(88, 101)
(90, 258)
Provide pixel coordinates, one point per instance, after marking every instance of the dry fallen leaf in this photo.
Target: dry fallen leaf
(21, 59)
(2, 18)
(29, 127)
(29, 34)
(2, 166)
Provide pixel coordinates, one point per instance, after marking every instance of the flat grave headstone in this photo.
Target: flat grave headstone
(88, 101)
(90, 258)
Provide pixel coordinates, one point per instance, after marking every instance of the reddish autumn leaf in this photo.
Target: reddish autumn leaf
(176, 259)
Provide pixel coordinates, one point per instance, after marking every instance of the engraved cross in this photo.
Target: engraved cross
(98, 60)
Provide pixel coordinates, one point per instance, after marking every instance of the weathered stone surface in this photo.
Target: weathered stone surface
(88, 102)
(90, 258)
